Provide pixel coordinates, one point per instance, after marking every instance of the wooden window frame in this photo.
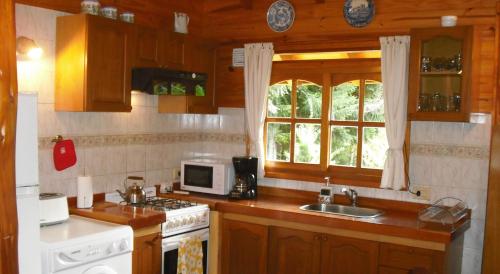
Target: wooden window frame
(326, 74)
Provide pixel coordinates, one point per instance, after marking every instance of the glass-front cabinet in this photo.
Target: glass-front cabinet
(439, 82)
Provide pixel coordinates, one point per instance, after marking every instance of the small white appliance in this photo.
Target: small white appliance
(212, 176)
(53, 208)
(27, 184)
(84, 193)
(86, 246)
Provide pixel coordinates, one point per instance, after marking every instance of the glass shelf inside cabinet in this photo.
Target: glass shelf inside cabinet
(441, 75)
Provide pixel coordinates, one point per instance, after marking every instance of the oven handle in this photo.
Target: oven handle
(172, 243)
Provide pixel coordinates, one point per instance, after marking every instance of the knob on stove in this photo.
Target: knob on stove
(177, 222)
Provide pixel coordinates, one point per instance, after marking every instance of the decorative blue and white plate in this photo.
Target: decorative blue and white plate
(359, 13)
(280, 16)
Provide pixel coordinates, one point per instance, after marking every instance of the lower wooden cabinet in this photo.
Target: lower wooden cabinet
(303, 252)
(348, 255)
(244, 248)
(250, 248)
(146, 258)
(293, 251)
(413, 260)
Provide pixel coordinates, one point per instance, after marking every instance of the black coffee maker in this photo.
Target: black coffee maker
(245, 176)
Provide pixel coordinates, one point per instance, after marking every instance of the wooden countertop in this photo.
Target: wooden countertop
(135, 217)
(399, 218)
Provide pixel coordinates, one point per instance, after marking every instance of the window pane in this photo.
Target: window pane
(374, 102)
(307, 143)
(345, 101)
(344, 149)
(279, 100)
(278, 141)
(374, 147)
(308, 100)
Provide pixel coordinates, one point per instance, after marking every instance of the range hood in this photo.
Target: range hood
(160, 81)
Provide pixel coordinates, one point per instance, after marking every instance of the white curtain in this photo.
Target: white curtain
(395, 59)
(258, 63)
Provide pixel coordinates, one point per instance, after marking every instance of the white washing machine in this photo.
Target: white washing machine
(86, 246)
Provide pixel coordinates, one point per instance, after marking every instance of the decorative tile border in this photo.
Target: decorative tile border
(146, 139)
(451, 151)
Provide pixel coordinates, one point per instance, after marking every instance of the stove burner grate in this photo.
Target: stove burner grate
(164, 204)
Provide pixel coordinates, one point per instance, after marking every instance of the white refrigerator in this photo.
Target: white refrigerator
(28, 214)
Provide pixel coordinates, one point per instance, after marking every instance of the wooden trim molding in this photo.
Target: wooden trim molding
(491, 248)
(8, 111)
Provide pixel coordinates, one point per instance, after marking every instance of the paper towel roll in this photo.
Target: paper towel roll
(85, 196)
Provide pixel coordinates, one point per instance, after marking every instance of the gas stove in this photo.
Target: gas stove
(182, 215)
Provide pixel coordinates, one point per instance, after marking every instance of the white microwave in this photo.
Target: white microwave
(212, 176)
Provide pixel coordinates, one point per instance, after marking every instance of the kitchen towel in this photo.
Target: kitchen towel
(64, 154)
(190, 257)
(85, 195)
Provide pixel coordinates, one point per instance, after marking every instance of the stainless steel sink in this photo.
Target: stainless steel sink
(351, 211)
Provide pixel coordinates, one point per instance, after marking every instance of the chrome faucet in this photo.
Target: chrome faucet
(351, 194)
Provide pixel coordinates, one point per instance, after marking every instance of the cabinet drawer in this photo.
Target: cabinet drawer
(389, 270)
(409, 258)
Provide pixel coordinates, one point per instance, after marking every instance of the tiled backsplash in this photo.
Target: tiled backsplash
(449, 158)
(111, 146)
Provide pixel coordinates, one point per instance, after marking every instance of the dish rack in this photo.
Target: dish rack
(444, 213)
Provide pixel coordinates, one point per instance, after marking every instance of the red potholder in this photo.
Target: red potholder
(64, 154)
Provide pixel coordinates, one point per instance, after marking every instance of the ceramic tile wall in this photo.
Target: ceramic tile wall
(103, 145)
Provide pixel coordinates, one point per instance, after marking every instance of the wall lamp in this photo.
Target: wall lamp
(27, 48)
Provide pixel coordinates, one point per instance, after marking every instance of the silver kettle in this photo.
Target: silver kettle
(134, 190)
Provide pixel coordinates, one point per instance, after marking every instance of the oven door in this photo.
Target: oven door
(170, 246)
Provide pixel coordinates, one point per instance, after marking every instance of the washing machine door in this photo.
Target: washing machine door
(100, 269)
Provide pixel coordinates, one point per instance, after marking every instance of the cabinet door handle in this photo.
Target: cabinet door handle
(156, 238)
(324, 238)
(2, 134)
(317, 237)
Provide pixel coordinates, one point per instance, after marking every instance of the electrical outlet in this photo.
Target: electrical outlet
(425, 192)
(176, 173)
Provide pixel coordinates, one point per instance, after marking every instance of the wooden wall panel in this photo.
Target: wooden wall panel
(229, 82)
(483, 68)
(8, 110)
(491, 251)
(317, 19)
(321, 27)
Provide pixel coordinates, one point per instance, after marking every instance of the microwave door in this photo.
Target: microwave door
(198, 176)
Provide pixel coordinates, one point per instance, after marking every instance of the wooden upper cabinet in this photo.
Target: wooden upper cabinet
(173, 50)
(440, 68)
(93, 64)
(348, 255)
(244, 248)
(158, 48)
(148, 49)
(200, 58)
(293, 251)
